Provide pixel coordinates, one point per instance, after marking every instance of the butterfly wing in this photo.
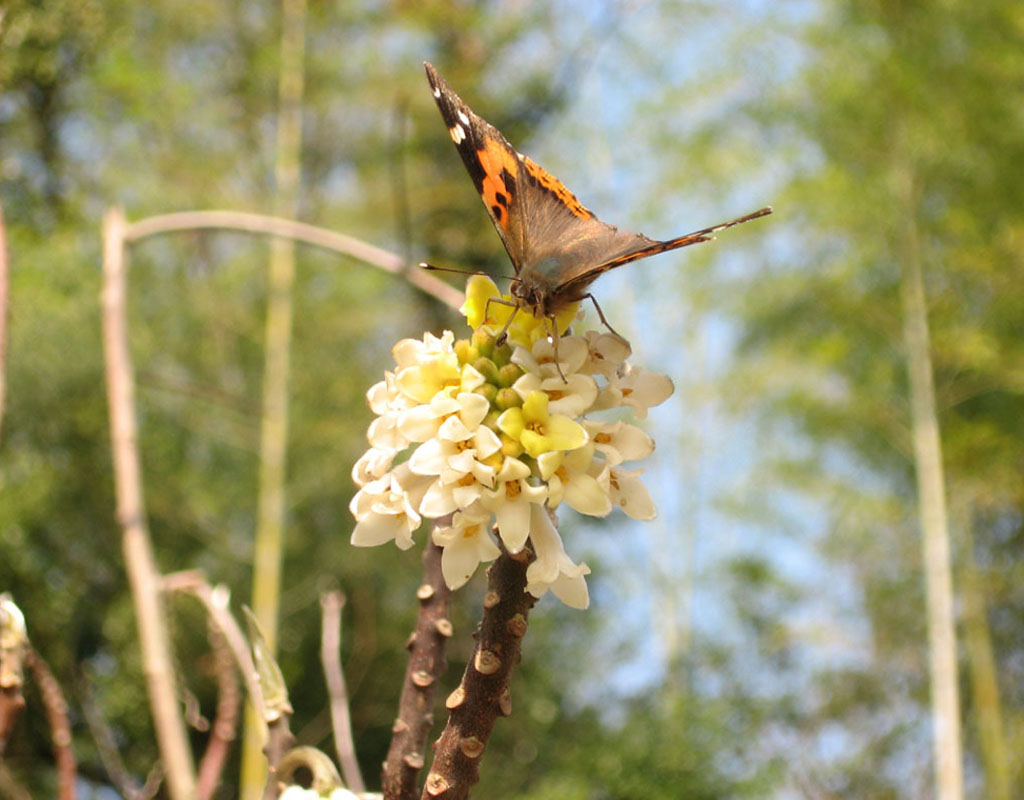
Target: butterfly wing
(492, 164)
(537, 218)
(558, 247)
(582, 273)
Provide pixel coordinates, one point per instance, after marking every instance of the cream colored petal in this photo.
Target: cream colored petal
(585, 494)
(572, 396)
(428, 458)
(514, 524)
(472, 409)
(629, 493)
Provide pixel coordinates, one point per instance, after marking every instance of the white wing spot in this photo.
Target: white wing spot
(437, 91)
(463, 117)
(458, 134)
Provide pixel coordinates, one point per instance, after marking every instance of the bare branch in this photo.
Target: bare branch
(341, 721)
(483, 695)
(106, 745)
(225, 723)
(427, 664)
(216, 601)
(300, 232)
(140, 562)
(60, 728)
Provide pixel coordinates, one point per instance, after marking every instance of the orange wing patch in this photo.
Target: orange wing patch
(548, 181)
(500, 170)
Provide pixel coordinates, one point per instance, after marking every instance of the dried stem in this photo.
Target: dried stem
(341, 721)
(426, 665)
(106, 745)
(300, 232)
(215, 600)
(60, 728)
(140, 562)
(483, 695)
(225, 723)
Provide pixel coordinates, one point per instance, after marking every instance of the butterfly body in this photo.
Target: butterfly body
(557, 246)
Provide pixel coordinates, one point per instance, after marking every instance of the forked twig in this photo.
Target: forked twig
(332, 604)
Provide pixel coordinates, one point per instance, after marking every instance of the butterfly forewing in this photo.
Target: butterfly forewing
(491, 161)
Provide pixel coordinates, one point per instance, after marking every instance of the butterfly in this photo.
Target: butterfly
(557, 246)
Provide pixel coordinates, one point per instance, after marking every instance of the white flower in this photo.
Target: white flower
(423, 422)
(458, 456)
(638, 389)
(511, 501)
(466, 542)
(540, 359)
(387, 403)
(629, 494)
(571, 395)
(372, 464)
(489, 432)
(569, 478)
(619, 441)
(553, 568)
(606, 353)
(385, 510)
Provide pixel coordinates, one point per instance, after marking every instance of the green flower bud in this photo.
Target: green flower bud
(488, 390)
(483, 342)
(509, 374)
(487, 368)
(507, 398)
(462, 349)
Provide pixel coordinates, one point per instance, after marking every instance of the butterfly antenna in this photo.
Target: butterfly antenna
(435, 268)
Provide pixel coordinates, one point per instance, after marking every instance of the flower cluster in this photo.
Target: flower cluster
(482, 434)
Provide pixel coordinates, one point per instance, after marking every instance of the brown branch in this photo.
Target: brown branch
(300, 232)
(426, 665)
(140, 562)
(483, 695)
(60, 727)
(225, 723)
(341, 721)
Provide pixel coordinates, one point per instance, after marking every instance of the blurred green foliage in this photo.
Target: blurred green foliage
(166, 106)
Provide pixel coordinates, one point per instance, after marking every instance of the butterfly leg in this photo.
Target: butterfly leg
(604, 321)
(554, 346)
(504, 331)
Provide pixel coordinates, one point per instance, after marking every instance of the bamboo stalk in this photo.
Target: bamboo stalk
(947, 747)
(269, 541)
